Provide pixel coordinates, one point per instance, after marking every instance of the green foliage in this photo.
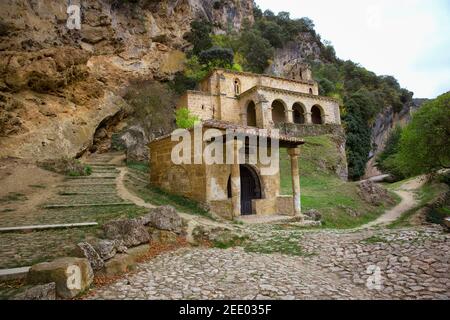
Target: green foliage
(217, 58)
(386, 160)
(199, 36)
(424, 144)
(256, 50)
(185, 119)
(139, 166)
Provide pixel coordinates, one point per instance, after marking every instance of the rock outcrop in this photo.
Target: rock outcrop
(57, 85)
(384, 123)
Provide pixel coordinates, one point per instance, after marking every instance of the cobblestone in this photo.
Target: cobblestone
(338, 266)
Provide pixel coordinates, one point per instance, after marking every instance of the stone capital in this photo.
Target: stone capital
(294, 152)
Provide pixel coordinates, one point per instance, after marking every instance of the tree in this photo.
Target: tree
(217, 57)
(256, 50)
(184, 118)
(199, 36)
(386, 160)
(424, 145)
(271, 31)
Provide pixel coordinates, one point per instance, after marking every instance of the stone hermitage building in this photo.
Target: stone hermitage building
(251, 105)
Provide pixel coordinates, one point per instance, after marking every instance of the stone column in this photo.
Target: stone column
(294, 153)
(308, 119)
(236, 181)
(290, 116)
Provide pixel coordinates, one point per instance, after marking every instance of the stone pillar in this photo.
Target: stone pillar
(294, 153)
(308, 119)
(290, 116)
(236, 181)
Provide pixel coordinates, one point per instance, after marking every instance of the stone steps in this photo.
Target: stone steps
(48, 226)
(79, 205)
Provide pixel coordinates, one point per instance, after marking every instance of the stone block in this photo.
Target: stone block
(71, 275)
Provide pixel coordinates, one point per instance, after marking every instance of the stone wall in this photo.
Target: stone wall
(309, 130)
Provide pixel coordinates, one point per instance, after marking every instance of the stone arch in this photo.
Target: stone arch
(237, 87)
(278, 111)
(317, 115)
(299, 113)
(251, 187)
(250, 111)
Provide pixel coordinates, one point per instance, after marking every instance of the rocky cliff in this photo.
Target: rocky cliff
(382, 127)
(58, 85)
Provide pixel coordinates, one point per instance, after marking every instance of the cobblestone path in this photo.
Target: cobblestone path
(413, 264)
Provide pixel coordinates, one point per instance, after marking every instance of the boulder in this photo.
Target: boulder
(131, 231)
(313, 215)
(39, 292)
(163, 236)
(118, 265)
(164, 218)
(374, 194)
(71, 275)
(107, 249)
(86, 250)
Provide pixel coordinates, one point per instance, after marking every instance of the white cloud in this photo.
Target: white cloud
(407, 39)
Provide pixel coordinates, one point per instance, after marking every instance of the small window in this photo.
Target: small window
(237, 87)
(310, 91)
(203, 107)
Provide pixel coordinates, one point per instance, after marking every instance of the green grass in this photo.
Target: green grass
(287, 244)
(424, 195)
(374, 240)
(140, 166)
(226, 243)
(12, 197)
(37, 186)
(322, 190)
(158, 197)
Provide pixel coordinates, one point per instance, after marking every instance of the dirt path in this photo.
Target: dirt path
(406, 193)
(192, 220)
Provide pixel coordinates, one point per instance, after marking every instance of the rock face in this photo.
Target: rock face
(71, 275)
(373, 193)
(40, 292)
(57, 85)
(384, 123)
(131, 231)
(304, 48)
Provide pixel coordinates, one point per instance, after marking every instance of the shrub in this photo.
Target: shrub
(217, 57)
(199, 36)
(184, 118)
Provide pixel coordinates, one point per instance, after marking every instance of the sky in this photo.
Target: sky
(409, 39)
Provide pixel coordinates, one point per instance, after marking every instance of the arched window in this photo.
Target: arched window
(278, 112)
(310, 91)
(251, 114)
(317, 115)
(298, 113)
(237, 87)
